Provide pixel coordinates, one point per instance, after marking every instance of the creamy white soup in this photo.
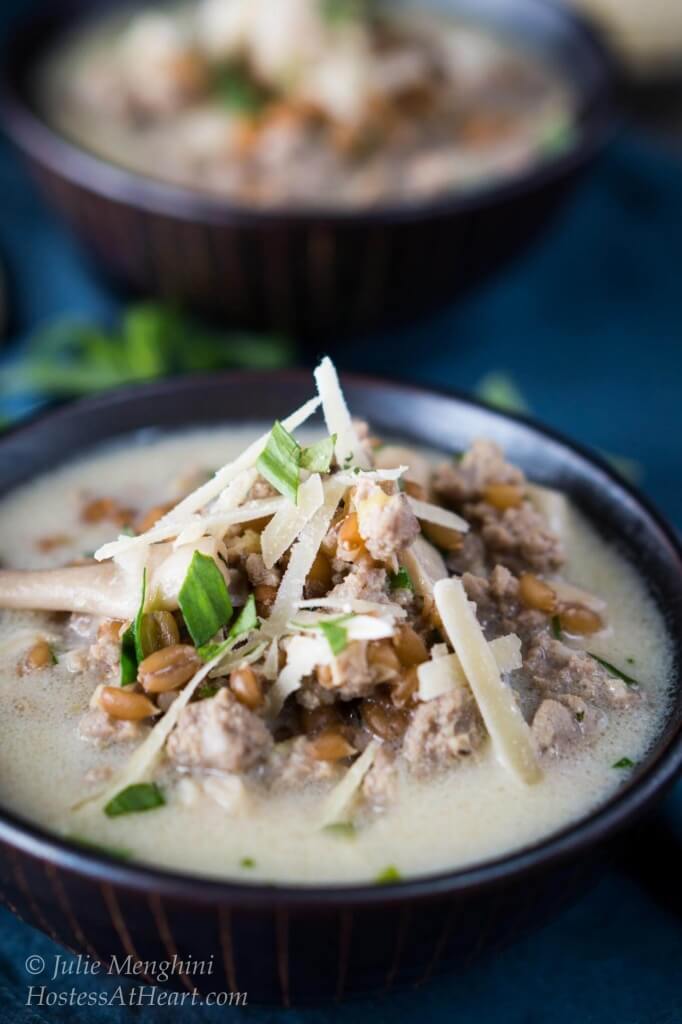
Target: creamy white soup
(457, 669)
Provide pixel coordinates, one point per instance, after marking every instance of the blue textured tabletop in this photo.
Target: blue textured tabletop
(589, 326)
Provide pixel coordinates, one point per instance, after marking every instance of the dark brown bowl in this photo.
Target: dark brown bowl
(293, 944)
(309, 272)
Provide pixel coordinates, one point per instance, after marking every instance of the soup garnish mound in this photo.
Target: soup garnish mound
(306, 101)
(328, 638)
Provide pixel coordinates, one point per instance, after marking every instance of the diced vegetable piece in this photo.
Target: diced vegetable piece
(507, 728)
(204, 599)
(141, 796)
(279, 462)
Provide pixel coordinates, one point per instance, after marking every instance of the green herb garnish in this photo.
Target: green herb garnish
(317, 458)
(247, 862)
(244, 623)
(142, 796)
(204, 599)
(237, 90)
(206, 690)
(335, 11)
(555, 627)
(624, 762)
(579, 715)
(613, 671)
(400, 580)
(335, 633)
(343, 829)
(279, 462)
(388, 875)
(131, 644)
(153, 339)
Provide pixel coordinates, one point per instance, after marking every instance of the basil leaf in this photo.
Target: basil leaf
(141, 796)
(388, 875)
(204, 599)
(400, 580)
(279, 462)
(244, 623)
(613, 671)
(624, 762)
(336, 634)
(318, 457)
(207, 690)
(131, 647)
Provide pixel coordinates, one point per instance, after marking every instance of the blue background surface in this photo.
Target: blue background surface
(589, 325)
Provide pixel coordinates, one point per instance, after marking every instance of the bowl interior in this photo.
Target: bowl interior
(441, 421)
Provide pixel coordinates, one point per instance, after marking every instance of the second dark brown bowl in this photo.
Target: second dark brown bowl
(312, 273)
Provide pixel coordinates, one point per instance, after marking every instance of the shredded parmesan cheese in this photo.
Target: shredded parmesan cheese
(337, 417)
(356, 605)
(350, 479)
(302, 556)
(445, 673)
(429, 513)
(175, 521)
(285, 526)
(344, 792)
(425, 565)
(507, 728)
(303, 654)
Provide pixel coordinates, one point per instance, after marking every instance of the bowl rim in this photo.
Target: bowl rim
(630, 801)
(83, 168)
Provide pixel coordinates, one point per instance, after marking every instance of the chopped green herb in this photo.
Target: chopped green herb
(318, 457)
(111, 851)
(207, 690)
(236, 89)
(502, 392)
(71, 357)
(336, 634)
(388, 875)
(624, 762)
(343, 829)
(579, 715)
(204, 599)
(279, 462)
(131, 646)
(348, 461)
(247, 862)
(630, 661)
(613, 671)
(128, 531)
(557, 136)
(400, 580)
(335, 11)
(555, 626)
(141, 796)
(244, 623)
